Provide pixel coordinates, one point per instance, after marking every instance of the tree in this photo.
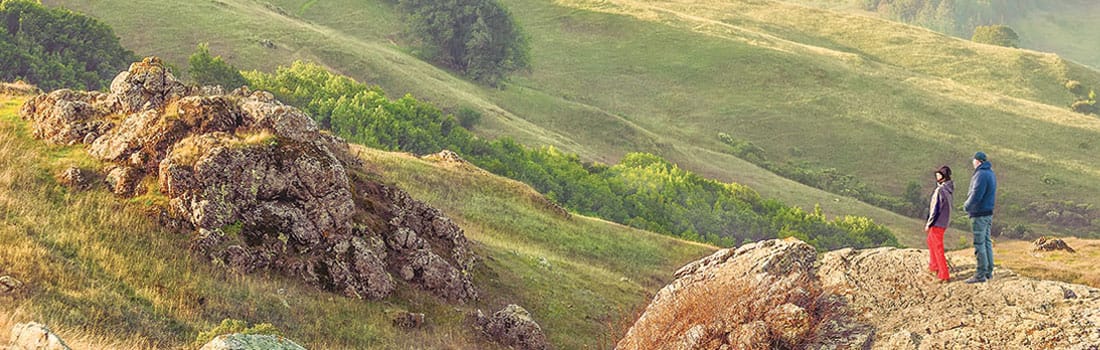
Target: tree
(1000, 35)
(57, 48)
(207, 69)
(477, 38)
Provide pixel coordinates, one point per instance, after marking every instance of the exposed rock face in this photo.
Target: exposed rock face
(34, 336)
(884, 297)
(251, 342)
(262, 186)
(513, 326)
(1010, 311)
(754, 297)
(1049, 244)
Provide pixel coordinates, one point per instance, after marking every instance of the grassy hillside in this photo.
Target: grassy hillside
(106, 275)
(876, 99)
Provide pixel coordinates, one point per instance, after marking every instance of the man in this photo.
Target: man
(979, 205)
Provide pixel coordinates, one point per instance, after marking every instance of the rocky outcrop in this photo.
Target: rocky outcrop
(513, 326)
(34, 336)
(251, 342)
(878, 298)
(259, 183)
(1050, 244)
(758, 296)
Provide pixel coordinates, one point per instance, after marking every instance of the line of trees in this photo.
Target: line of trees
(57, 48)
(642, 191)
(953, 17)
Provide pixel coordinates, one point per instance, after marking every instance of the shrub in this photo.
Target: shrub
(1075, 88)
(207, 69)
(468, 117)
(1000, 35)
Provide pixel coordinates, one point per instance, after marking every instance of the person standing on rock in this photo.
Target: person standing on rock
(979, 205)
(939, 217)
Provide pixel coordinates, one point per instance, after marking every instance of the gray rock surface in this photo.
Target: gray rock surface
(251, 342)
(9, 284)
(262, 186)
(885, 299)
(34, 336)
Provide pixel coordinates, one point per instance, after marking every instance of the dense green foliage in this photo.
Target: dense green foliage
(57, 48)
(1000, 35)
(642, 191)
(911, 203)
(954, 17)
(207, 69)
(478, 38)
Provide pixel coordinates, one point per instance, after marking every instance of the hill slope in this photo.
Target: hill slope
(875, 99)
(75, 252)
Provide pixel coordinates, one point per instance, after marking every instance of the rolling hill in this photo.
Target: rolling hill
(76, 254)
(882, 101)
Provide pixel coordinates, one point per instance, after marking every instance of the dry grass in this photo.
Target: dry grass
(738, 313)
(1063, 266)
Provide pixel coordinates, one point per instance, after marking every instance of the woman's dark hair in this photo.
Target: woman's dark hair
(945, 171)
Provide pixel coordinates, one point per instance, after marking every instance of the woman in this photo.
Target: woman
(939, 217)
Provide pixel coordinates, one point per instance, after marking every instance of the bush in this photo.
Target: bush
(207, 69)
(56, 48)
(1000, 35)
(468, 117)
(1075, 88)
(477, 38)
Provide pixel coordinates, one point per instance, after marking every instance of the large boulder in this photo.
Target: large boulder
(251, 342)
(261, 185)
(754, 297)
(781, 293)
(34, 336)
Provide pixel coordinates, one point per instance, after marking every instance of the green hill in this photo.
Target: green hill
(875, 99)
(75, 252)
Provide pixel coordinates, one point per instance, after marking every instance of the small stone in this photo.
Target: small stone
(9, 284)
(239, 341)
(408, 320)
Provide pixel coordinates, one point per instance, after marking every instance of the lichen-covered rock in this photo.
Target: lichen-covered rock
(513, 326)
(9, 284)
(124, 180)
(260, 183)
(34, 336)
(75, 178)
(1049, 244)
(408, 320)
(251, 342)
